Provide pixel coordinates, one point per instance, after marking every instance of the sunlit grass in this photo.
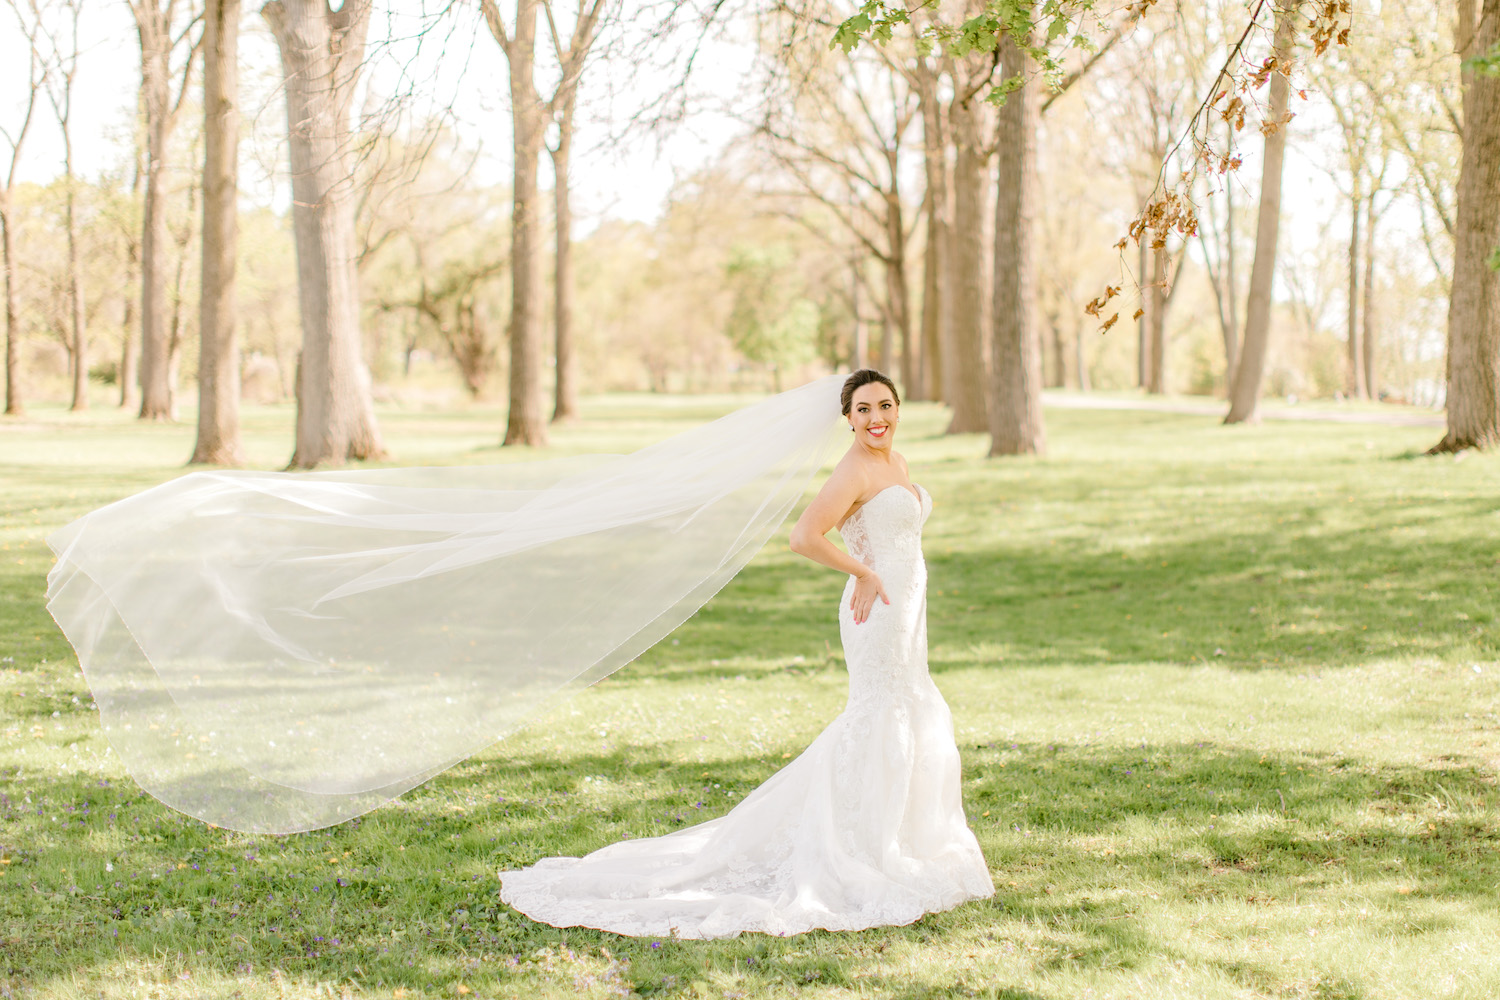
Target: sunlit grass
(1227, 699)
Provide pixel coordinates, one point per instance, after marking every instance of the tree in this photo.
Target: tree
(60, 93)
(130, 356)
(1474, 302)
(321, 54)
(530, 115)
(840, 132)
(1244, 393)
(564, 104)
(1016, 426)
(770, 323)
(156, 21)
(971, 121)
(1223, 277)
(935, 364)
(218, 317)
(30, 23)
(524, 424)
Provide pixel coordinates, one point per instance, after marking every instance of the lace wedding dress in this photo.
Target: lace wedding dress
(865, 828)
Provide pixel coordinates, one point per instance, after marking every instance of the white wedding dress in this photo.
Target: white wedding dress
(865, 828)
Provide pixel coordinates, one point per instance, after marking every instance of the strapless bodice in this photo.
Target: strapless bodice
(887, 528)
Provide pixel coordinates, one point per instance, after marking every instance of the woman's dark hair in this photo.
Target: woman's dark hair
(865, 376)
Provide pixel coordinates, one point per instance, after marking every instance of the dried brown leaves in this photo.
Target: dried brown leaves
(1171, 208)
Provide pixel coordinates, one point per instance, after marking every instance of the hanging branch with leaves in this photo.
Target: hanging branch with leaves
(1234, 96)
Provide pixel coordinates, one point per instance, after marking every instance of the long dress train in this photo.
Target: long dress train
(865, 828)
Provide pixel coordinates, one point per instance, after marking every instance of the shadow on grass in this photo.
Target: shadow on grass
(406, 897)
(1312, 596)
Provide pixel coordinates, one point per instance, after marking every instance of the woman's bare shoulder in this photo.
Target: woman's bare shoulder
(850, 470)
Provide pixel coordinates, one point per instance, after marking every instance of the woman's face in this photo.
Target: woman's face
(873, 413)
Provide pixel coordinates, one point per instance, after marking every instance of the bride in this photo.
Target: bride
(866, 827)
(275, 652)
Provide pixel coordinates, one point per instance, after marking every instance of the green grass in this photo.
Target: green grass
(1228, 701)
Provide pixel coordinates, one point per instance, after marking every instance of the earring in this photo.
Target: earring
(851, 428)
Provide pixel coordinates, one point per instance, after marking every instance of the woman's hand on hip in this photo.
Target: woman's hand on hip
(867, 587)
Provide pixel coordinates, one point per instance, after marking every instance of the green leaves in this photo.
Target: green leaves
(876, 19)
(1485, 63)
(851, 32)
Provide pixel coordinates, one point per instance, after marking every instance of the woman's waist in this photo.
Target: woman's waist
(895, 565)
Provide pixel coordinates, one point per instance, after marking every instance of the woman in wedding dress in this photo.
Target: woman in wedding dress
(866, 828)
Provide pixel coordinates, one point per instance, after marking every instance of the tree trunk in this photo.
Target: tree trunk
(525, 424)
(1244, 394)
(181, 240)
(1231, 286)
(565, 405)
(1057, 378)
(1016, 426)
(1354, 381)
(887, 335)
(321, 53)
(75, 283)
(1080, 356)
(1156, 376)
(859, 351)
(155, 374)
(130, 389)
(218, 354)
(936, 310)
(897, 290)
(971, 305)
(13, 404)
(1143, 321)
(1367, 340)
(1474, 300)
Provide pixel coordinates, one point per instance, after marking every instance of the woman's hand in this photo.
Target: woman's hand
(867, 586)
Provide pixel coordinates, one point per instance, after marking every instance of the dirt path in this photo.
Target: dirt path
(1404, 417)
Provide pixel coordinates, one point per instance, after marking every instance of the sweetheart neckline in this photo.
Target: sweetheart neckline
(894, 486)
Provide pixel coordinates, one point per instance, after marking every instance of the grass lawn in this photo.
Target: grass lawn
(1228, 701)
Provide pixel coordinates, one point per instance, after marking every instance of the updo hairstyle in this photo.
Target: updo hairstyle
(865, 376)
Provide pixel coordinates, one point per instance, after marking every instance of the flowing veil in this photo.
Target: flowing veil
(277, 652)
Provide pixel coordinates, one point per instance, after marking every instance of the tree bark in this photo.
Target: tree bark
(1231, 289)
(1474, 300)
(35, 79)
(1354, 381)
(1057, 378)
(897, 289)
(859, 350)
(563, 103)
(971, 301)
(321, 54)
(218, 319)
(75, 278)
(61, 95)
(1156, 381)
(161, 118)
(565, 404)
(525, 424)
(13, 405)
(1367, 338)
(1016, 425)
(1143, 321)
(1244, 394)
(1080, 356)
(932, 365)
(130, 374)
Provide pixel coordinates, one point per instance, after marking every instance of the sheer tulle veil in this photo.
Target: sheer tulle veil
(276, 652)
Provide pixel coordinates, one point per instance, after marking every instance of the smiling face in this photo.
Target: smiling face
(873, 413)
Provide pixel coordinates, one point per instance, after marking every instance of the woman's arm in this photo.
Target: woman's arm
(833, 501)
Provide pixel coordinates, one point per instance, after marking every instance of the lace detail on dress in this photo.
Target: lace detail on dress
(866, 828)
